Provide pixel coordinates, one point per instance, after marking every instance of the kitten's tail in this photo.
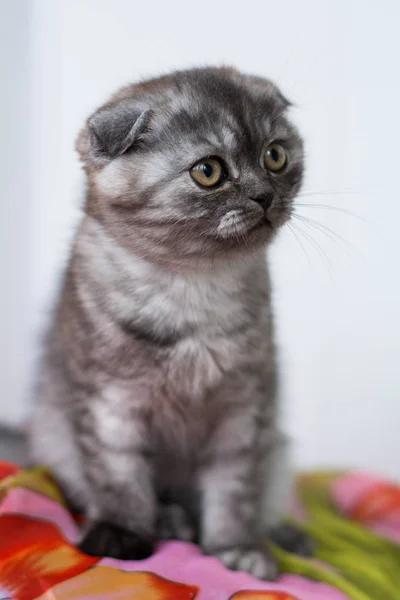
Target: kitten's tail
(13, 444)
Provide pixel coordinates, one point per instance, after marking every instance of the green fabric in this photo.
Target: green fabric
(348, 556)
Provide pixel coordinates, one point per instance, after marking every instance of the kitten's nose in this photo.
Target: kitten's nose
(264, 200)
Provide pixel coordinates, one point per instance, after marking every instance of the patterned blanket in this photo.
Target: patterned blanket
(353, 518)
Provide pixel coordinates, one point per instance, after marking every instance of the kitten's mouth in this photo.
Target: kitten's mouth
(236, 226)
(263, 222)
(256, 227)
(266, 221)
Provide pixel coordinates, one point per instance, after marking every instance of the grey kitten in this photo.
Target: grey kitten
(157, 400)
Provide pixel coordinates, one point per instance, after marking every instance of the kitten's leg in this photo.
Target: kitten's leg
(230, 521)
(52, 442)
(174, 523)
(277, 498)
(117, 466)
(231, 488)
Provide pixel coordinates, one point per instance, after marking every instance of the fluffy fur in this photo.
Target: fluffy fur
(157, 400)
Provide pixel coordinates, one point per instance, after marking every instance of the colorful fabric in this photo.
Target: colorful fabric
(353, 518)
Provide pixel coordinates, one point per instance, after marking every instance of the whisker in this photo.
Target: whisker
(325, 260)
(344, 211)
(344, 192)
(332, 235)
(299, 241)
(319, 227)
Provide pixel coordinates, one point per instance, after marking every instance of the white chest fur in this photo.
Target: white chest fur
(205, 310)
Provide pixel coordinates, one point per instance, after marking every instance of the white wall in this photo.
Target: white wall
(16, 235)
(337, 307)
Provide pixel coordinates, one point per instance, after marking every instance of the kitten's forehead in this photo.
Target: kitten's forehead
(216, 109)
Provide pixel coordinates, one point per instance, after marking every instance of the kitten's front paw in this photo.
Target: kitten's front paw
(106, 539)
(255, 561)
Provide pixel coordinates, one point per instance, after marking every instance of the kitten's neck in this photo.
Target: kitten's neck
(128, 284)
(105, 255)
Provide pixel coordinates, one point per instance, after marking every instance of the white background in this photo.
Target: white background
(337, 308)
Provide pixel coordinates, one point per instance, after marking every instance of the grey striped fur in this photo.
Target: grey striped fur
(158, 387)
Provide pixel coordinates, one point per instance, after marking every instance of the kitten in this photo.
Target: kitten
(157, 401)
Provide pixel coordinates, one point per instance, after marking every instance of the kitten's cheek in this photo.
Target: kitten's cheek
(111, 181)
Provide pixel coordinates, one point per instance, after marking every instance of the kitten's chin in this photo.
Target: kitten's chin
(216, 250)
(248, 236)
(179, 253)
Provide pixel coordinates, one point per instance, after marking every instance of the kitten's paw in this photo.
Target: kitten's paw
(255, 561)
(292, 539)
(174, 524)
(105, 539)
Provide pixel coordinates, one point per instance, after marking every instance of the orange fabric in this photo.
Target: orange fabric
(34, 556)
(382, 500)
(7, 469)
(103, 583)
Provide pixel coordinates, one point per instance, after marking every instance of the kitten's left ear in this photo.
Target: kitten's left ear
(264, 87)
(111, 131)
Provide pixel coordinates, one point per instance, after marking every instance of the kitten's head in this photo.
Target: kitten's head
(194, 166)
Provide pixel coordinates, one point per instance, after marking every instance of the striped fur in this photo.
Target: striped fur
(159, 384)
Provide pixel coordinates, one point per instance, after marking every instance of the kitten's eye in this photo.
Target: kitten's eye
(275, 157)
(207, 172)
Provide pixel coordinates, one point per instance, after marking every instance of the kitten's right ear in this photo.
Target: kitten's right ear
(111, 131)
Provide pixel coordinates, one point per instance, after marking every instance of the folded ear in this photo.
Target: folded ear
(264, 88)
(111, 131)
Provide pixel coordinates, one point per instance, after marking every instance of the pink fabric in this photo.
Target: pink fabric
(182, 562)
(350, 489)
(178, 560)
